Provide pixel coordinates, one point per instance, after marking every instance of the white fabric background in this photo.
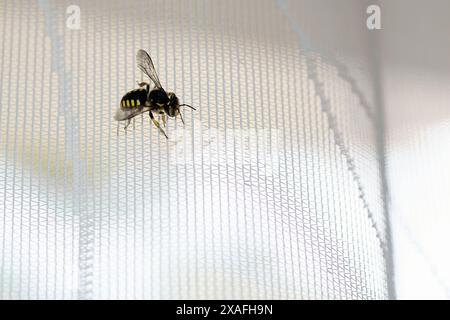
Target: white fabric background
(273, 189)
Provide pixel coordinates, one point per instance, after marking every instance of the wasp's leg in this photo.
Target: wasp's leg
(163, 118)
(142, 83)
(126, 126)
(181, 116)
(156, 123)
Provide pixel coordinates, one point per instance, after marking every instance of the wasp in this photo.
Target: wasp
(141, 100)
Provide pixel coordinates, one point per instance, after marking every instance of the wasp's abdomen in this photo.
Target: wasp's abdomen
(134, 98)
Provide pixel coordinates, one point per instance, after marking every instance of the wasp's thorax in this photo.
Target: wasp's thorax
(164, 102)
(158, 98)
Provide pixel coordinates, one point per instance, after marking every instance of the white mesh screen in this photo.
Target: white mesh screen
(271, 190)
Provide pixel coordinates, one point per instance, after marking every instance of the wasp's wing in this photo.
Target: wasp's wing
(145, 64)
(126, 114)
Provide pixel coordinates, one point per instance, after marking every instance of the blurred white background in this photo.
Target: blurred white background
(416, 85)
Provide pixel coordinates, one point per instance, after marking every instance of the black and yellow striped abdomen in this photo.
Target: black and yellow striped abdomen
(134, 98)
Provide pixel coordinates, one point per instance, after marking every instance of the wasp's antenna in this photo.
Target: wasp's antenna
(181, 105)
(181, 116)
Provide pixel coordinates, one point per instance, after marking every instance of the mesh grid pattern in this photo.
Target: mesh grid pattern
(271, 190)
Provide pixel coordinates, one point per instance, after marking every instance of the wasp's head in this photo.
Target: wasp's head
(172, 108)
